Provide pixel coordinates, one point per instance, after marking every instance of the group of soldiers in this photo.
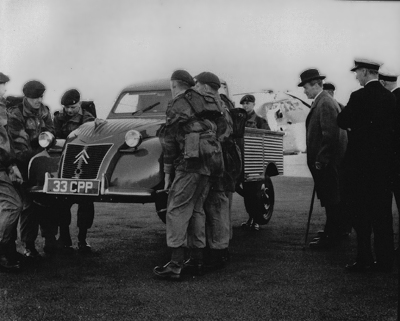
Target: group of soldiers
(202, 165)
(22, 120)
(353, 153)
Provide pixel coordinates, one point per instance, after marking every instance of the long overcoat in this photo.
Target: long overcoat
(326, 144)
(369, 115)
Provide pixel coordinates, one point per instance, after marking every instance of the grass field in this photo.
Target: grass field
(270, 277)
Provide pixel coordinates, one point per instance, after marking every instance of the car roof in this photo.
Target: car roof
(159, 84)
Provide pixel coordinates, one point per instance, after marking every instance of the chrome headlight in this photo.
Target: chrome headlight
(45, 139)
(133, 138)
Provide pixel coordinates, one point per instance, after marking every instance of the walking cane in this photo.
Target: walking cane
(309, 218)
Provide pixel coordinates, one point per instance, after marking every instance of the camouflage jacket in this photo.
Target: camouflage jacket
(7, 154)
(231, 152)
(65, 124)
(25, 125)
(255, 121)
(190, 143)
(3, 112)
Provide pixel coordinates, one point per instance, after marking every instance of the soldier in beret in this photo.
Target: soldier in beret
(330, 89)
(3, 114)
(250, 199)
(193, 154)
(25, 123)
(369, 117)
(218, 203)
(10, 201)
(65, 121)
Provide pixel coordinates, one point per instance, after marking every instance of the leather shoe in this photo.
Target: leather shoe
(379, 267)
(84, 247)
(170, 271)
(322, 244)
(193, 266)
(9, 265)
(357, 267)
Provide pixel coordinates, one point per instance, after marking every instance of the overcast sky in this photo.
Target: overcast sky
(101, 46)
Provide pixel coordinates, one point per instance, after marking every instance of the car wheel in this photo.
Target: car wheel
(267, 200)
(259, 200)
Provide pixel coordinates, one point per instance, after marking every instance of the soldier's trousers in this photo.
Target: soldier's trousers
(218, 220)
(10, 210)
(185, 203)
(85, 217)
(34, 215)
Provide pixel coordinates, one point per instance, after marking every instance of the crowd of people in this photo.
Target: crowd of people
(353, 153)
(22, 121)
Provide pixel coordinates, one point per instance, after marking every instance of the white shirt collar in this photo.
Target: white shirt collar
(318, 94)
(370, 81)
(395, 88)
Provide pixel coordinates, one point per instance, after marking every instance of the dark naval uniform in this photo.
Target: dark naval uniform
(64, 125)
(25, 125)
(369, 115)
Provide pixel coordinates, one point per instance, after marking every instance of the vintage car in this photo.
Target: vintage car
(119, 159)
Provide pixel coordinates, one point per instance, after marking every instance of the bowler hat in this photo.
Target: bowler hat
(183, 75)
(328, 86)
(70, 97)
(387, 77)
(309, 75)
(247, 98)
(209, 78)
(33, 89)
(364, 63)
(3, 78)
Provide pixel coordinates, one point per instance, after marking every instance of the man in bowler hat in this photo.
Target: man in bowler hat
(326, 145)
(369, 118)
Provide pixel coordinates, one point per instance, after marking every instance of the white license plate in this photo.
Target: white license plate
(73, 186)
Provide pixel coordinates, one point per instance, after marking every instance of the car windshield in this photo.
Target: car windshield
(148, 102)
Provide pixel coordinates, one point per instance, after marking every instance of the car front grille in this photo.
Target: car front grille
(83, 161)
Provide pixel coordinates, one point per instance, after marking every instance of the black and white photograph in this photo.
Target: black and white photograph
(199, 160)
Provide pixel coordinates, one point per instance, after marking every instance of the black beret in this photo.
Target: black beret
(208, 78)
(328, 86)
(3, 78)
(33, 89)
(387, 77)
(364, 63)
(183, 75)
(248, 98)
(71, 97)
